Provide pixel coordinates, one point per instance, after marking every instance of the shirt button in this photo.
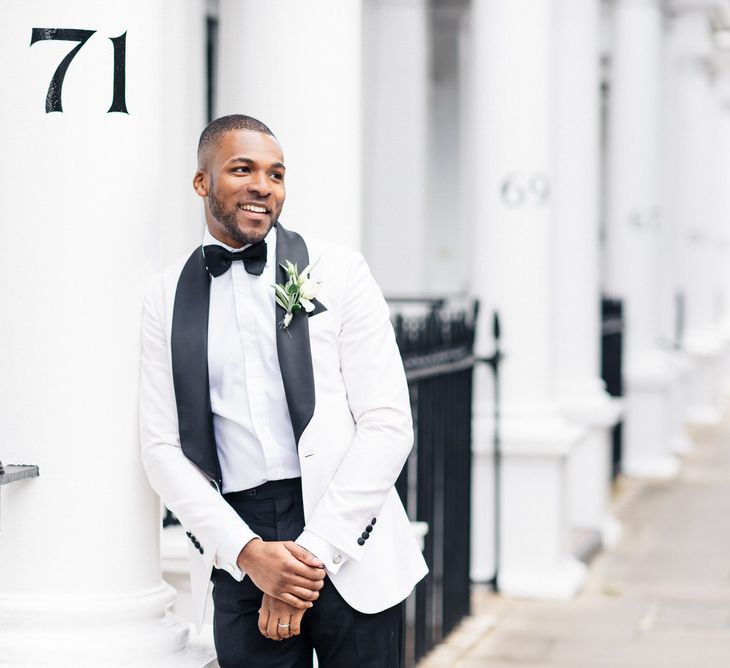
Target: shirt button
(337, 559)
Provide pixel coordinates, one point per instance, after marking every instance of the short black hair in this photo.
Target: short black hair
(225, 124)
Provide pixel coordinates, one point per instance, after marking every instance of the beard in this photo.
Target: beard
(227, 218)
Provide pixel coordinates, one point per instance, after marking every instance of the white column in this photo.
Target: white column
(395, 149)
(184, 113)
(296, 66)
(721, 198)
(80, 582)
(513, 126)
(691, 195)
(632, 233)
(577, 336)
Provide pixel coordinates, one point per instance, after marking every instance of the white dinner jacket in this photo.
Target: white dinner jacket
(349, 405)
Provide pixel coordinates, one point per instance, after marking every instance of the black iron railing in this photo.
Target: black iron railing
(438, 354)
(612, 338)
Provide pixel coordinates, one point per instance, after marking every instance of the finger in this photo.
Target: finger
(295, 623)
(296, 569)
(295, 602)
(284, 631)
(303, 594)
(299, 581)
(263, 621)
(271, 630)
(304, 555)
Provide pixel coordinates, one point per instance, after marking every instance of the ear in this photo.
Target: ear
(200, 183)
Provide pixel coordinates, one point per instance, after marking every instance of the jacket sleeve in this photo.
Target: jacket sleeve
(377, 394)
(185, 490)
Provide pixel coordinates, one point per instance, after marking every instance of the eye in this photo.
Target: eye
(243, 169)
(277, 176)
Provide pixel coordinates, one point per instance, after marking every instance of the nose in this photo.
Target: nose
(259, 185)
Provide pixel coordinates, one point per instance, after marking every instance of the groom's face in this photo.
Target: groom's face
(242, 183)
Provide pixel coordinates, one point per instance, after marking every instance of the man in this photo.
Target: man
(276, 434)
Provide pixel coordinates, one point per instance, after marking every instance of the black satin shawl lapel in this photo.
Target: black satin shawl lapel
(292, 343)
(189, 349)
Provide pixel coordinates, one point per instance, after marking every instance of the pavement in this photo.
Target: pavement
(660, 599)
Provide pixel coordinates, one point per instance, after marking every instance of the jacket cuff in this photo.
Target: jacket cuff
(226, 558)
(328, 554)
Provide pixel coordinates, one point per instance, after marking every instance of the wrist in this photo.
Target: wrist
(246, 554)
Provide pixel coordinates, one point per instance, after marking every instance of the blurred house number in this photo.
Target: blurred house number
(521, 190)
(53, 97)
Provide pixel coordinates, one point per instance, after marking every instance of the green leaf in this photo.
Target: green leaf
(296, 307)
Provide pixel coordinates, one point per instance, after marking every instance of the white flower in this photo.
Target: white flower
(309, 289)
(297, 293)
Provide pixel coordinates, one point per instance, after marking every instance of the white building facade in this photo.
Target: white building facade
(538, 155)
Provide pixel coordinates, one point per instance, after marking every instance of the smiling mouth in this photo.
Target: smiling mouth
(253, 208)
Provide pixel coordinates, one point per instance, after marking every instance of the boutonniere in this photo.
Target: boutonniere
(297, 293)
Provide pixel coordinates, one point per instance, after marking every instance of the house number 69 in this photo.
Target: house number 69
(521, 190)
(53, 97)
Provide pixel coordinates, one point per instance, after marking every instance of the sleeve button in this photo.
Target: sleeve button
(369, 528)
(373, 521)
(361, 541)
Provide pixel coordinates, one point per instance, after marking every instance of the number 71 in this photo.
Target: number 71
(53, 97)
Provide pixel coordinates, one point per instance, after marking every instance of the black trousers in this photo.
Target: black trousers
(341, 636)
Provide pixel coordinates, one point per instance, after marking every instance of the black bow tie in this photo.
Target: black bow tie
(218, 259)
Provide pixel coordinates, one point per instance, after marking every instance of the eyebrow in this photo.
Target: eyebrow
(249, 161)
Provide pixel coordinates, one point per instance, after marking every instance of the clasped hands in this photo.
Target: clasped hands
(290, 577)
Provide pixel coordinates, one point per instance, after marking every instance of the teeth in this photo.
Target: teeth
(254, 208)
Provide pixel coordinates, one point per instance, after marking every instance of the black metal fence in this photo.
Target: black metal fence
(612, 337)
(438, 354)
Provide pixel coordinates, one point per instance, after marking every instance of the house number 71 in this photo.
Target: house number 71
(53, 97)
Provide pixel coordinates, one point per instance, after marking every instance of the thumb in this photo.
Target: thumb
(304, 555)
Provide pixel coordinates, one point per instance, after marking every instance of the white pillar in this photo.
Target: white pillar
(296, 66)
(396, 134)
(513, 86)
(80, 583)
(632, 233)
(690, 198)
(577, 314)
(449, 232)
(184, 117)
(721, 198)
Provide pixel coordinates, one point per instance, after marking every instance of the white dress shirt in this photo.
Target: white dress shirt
(251, 423)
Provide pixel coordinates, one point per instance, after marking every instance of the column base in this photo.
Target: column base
(136, 631)
(660, 467)
(708, 416)
(680, 442)
(648, 427)
(535, 557)
(611, 532)
(707, 350)
(562, 582)
(590, 463)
